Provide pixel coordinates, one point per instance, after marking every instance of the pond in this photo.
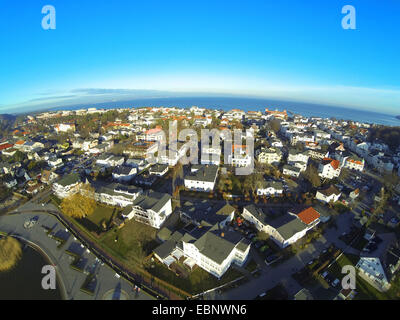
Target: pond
(24, 281)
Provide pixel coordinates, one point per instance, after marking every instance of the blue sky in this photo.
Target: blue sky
(286, 49)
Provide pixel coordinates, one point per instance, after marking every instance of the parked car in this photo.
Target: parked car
(335, 282)
(270, 259)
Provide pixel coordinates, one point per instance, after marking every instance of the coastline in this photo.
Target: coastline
(245, 103)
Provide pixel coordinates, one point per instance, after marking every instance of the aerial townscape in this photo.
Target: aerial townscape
(197, 159)
(323, 194)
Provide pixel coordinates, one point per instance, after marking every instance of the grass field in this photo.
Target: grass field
(101, 213)
(134, 241)
(93, 222)
(197, 282)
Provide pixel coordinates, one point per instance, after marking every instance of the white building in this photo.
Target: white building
(271, 189)
(201, 178)
(269, 156)
(124, 173)
(330, 194)
(116, 194)
(67, 186)
(64, 127)
(329, 168)
(284, 229)
(291, 171)
(152, 209)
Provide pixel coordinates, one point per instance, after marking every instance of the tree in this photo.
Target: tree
(390, 181)
(253, 182)
(261, 235)
(80, 204)
(10, 253)
(275, 125)
(311, 174)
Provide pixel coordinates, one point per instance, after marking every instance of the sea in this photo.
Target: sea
(247, 104)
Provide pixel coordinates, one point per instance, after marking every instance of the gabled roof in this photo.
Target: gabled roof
(334, 163)
(308, 215)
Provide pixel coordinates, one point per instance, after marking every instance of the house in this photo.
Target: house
(9, 181)
(54, 161)
(239, 156)
(201, 178)
(291, 171)
(269, 156)
(5, 146)
(170, 154)
(156, 134)
(354, 163)
(297, 156)
(124, 173)
(303, 294)
(379, 261)
(34, 187)
(158, 169)
(277, 114)
(115, 194)
(270, 188)
(316, 154)
(67, 186)
(64, 127)
(48, 176)
(102, 148)
(329, 168)
(152, 208)
(210, 155)
(329, 194)
(138, 163)
(32, 146)
(212, 248)
(141, 149)
(354, 194)
(276, 143)
(284, 229)
(109, 160)
(200, 211)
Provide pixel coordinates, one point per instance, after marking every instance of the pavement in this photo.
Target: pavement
(109, 286)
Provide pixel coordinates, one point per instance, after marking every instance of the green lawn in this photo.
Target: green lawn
(134, 242)
(93, 223)
(198, 281)
(101, 213)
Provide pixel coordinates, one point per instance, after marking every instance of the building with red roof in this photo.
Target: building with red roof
(329, 168)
